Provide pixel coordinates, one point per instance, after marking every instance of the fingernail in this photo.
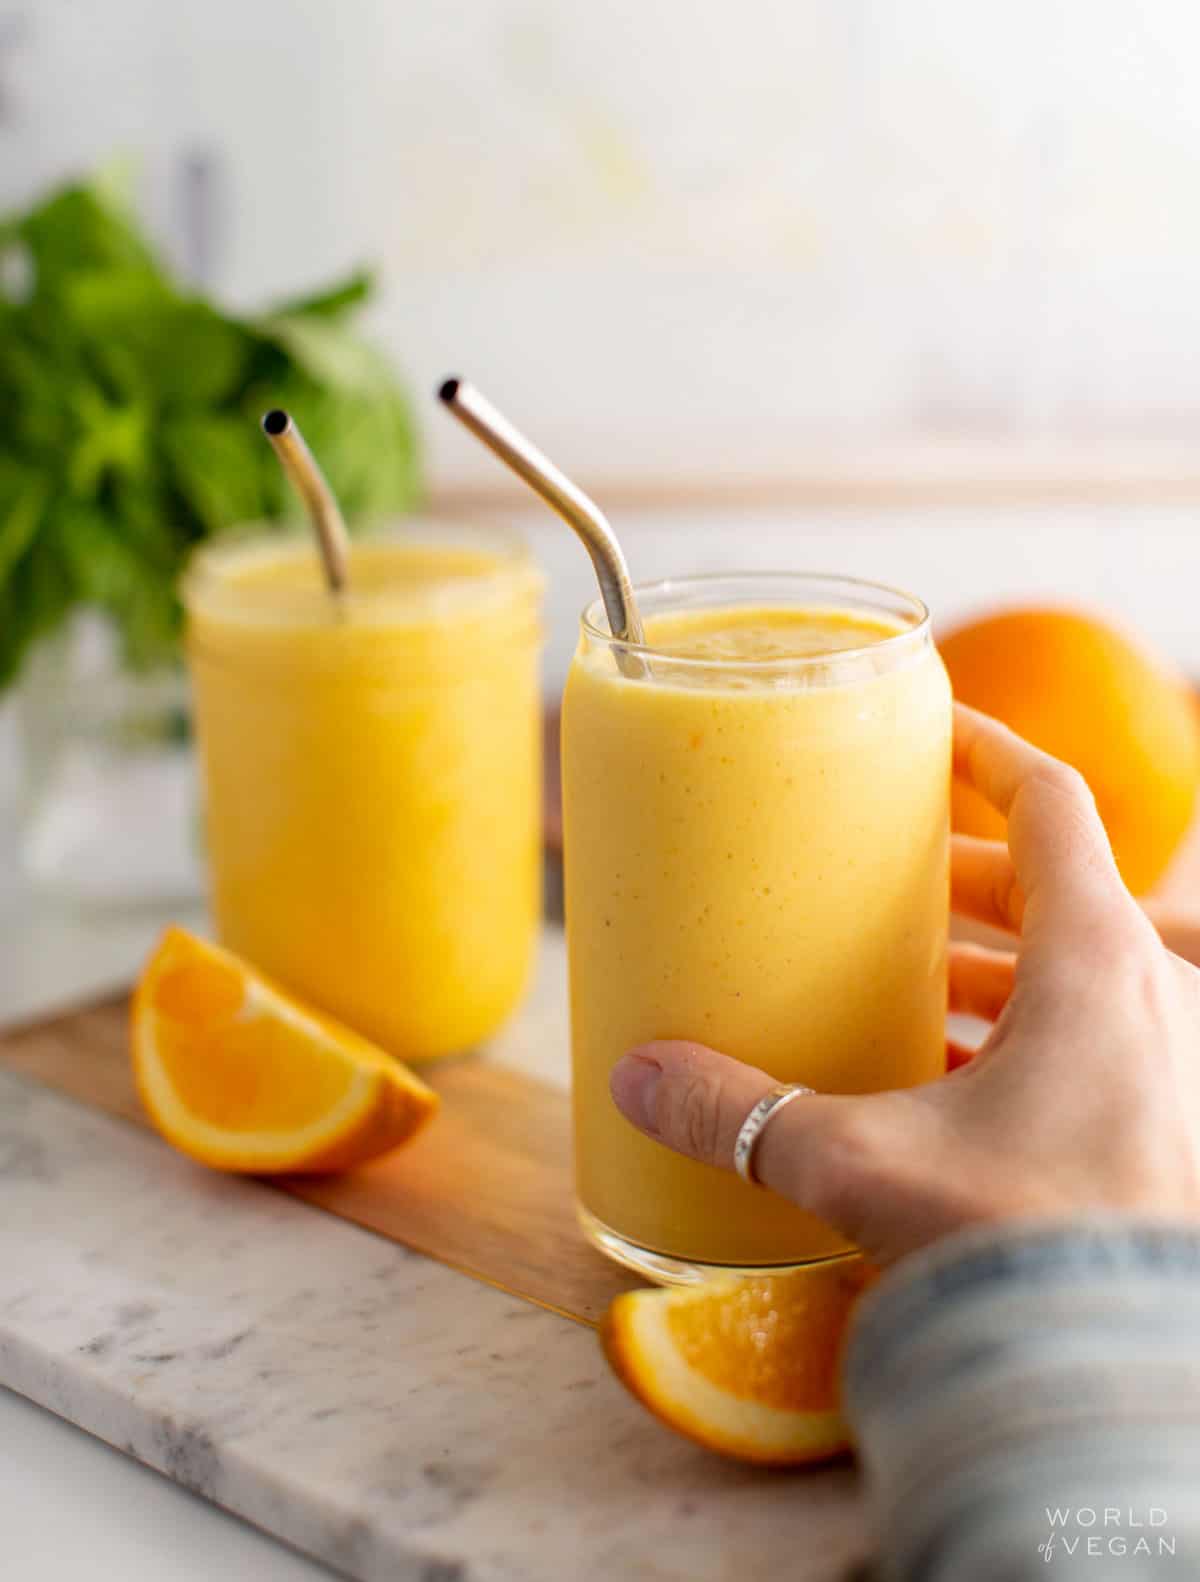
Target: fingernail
(633, 1084)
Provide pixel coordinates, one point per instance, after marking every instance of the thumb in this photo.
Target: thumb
(692, 1099)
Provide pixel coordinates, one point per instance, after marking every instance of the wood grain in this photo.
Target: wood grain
(486, 1188)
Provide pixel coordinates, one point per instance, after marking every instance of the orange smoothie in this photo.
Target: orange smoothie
(372, 777)
(756, 833)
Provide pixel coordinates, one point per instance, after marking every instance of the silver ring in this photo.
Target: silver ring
(748, 1139)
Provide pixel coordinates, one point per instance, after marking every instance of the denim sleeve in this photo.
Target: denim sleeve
(1027, 1404)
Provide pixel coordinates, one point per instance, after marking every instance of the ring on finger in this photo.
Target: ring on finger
(750, 1136)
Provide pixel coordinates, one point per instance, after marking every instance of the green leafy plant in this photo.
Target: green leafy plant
(129, 422)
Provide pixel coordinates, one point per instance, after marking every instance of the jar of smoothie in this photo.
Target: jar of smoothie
(372, 775)
(756, 807)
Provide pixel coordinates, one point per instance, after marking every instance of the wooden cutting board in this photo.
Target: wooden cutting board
(486, 1188)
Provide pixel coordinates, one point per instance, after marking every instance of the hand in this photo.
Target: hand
(1178, 927)
(1085, 1096)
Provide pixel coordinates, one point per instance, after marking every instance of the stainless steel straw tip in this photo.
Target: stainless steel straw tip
(476, 413)
(309, 483)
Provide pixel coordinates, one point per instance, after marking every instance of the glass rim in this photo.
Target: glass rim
(210, 583)
(920, 627)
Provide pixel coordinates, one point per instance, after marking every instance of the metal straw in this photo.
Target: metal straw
(309, 483)
(478, 414)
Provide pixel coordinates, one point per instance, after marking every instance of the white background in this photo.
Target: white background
(685, 240)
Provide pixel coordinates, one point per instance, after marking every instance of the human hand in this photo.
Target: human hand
(1084, 1097)
(1178, 927)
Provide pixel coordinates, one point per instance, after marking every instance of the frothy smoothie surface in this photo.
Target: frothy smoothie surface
(765, 632)
(377, 568)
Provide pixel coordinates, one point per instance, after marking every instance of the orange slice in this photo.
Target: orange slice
(242, 1077)
(744, 1366)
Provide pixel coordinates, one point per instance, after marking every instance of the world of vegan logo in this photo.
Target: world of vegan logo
(1106, 1531)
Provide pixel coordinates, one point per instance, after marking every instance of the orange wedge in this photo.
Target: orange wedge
(744, 1366)
(242, 1077)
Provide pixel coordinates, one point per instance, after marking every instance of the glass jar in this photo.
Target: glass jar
(371, 769)
(756, 822)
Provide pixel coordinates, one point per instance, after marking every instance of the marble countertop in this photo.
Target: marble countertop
(390, 1416)
(72, 1507)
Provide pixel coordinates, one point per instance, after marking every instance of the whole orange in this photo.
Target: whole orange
(1092, 694)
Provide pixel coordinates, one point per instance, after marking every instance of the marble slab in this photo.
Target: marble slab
(393, 1418)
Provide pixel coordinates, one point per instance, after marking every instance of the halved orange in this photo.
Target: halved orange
(241, 1076)
(747, 1366)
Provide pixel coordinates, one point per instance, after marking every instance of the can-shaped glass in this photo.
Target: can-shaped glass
(372, 775)
(756, 820)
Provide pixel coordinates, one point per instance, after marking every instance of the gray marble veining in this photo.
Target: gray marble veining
(390, 1416)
